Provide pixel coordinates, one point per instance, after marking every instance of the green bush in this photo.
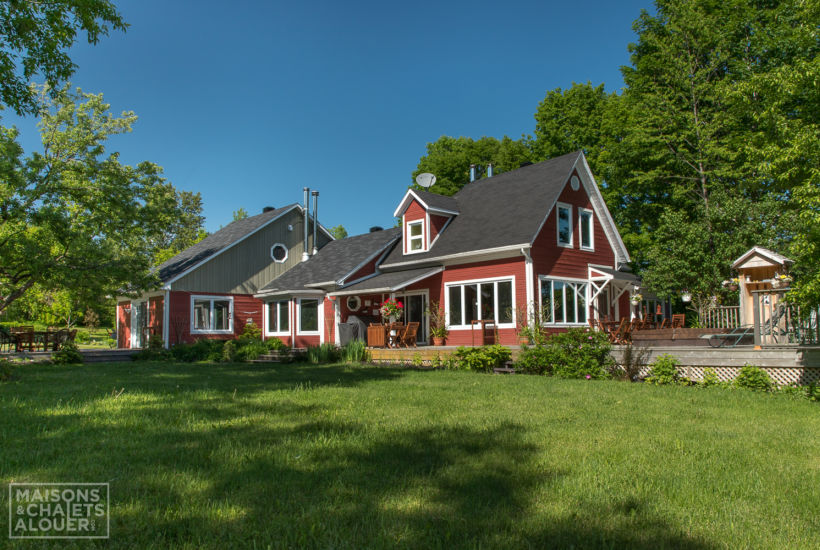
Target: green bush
(355, 351)
(753, 378)
(326, 353)
(82, 337)
(481, 359)
(68, 354)
(578, 353)
(201, 350)
(228, 352)
(275, 344)
(250, 332)
(665, 371)
(6, 370)
(248, 350)
(534, 360)
(710, 378)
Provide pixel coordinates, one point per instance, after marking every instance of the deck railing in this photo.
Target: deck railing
(722, 317)
(781, 323)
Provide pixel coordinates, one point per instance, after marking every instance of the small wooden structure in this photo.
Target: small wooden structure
(756, 270)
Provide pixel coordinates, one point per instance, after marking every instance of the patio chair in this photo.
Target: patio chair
(24, 336)
(678, 320)
(616, 336)
(729, 339)
(7, 339)
(408, 336)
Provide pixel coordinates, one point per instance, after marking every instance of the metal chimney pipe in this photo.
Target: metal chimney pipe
(305, 255)
(490, 170)
(315, 222)
(472, 173)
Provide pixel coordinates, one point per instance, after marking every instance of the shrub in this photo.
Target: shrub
(631, 362)
(82, 337)
(326, 353)
(248, 350)
(665, 371)
(201, 350)
(67, 354)
(579, 353)
(250, 332)
(534, 360)
(753, 378)
(228, 352)
(275, 344)
(6, 370)
(355, 351)
(710, 378)
(481, 359)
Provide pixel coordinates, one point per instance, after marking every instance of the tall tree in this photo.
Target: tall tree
(35, 37)
(73, 216)
(181, 226)
(450, 158)
(338, 232)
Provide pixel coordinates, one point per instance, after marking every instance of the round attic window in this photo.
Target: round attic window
(354, 303)
(279, 253)
(575, 183)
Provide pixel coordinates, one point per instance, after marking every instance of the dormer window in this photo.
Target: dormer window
(415, 236)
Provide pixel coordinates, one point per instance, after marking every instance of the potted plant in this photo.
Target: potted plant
(391, 310)
(686, 296)
(438, 323)
(731, 284)
(636, 299)
(781, 280)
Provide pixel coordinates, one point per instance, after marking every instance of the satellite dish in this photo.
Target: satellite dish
(426, 179)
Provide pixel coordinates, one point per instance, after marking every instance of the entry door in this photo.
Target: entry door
(139, 324)
(415, 306)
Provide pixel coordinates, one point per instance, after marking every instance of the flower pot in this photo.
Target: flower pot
(777, 283)
(732, 287)
(686, 297)
(438, 341)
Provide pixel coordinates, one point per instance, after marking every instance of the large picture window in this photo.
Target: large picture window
(211, 314)
(563, 302)
(278, 317)
(484, 300)
(308, 315)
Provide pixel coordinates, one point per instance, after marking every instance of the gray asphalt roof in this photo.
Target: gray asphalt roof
(434, 200)
(215, 242)
(387, 282)
(335, 260)
(503, 210)
(618, 275)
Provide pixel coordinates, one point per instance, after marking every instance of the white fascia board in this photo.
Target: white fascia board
(301, 292)
(442, 211)
(167, 285)
(405, 202)
(386, 289)
(461, 257)
(771, 255)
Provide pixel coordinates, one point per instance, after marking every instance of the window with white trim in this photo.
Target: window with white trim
(564, 225)
(563, 302)
(481, 300)
(308, 316)
(278, 317)
(415, 236)
(585, 229)
(211, 314)
(279, 253)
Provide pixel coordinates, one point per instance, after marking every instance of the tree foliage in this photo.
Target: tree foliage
(338, 232)
(73, 216)
(35, 38)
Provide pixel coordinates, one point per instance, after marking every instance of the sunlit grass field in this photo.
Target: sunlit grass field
(295, 456)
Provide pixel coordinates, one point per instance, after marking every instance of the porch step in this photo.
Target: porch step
(108, 355)
(279, 356)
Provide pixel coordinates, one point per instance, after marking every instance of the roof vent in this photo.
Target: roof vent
(268, 209)
(376, 228)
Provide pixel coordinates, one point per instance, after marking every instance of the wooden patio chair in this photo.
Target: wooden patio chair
(616, 334)
(24, 336)
(7, 339)
(409, 335)
(678, 320)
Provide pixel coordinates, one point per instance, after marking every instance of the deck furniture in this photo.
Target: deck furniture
(729, 339)
(7, 339)
(408, 337)
(24, 336)
(377, 335)
(678, 320)
(483, 337)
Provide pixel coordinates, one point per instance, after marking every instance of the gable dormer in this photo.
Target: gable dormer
(424, 216)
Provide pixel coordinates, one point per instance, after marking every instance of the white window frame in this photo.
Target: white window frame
(319, 319)
(566, 280)
(287, 253)
(197, 297)
(591, 247)
(408, 239)
(558, 208)
(462, 284)
(278, 303)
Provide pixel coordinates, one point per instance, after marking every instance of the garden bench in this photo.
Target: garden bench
(728, 339)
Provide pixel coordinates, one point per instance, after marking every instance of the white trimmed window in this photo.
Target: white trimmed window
(585, 229)
(279, 317)
(211, 314)
(279, 253)
(564, 225)
(563, 302)
(308, 315)
(415, 236)
(491, 300)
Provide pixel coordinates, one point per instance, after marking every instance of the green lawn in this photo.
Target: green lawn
(224, 456)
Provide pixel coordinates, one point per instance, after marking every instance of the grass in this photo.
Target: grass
(223, 456)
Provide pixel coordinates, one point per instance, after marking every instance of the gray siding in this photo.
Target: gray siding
(248, 266)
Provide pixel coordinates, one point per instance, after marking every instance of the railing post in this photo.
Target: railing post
(756, 315)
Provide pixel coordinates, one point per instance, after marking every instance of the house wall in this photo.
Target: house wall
(368, 269)
(437, 223)
(155, 307)
(179, 316)
(248, 266)
(123, 325)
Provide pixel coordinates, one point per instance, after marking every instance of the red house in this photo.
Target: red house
(536, 241)
(207, 290)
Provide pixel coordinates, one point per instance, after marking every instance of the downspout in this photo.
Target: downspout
(305, 255)
(529, 278)
(315, 222)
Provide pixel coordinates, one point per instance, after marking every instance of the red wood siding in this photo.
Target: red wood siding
(179, 316)
(414, 212)
(368, 269)
(124, 326)
(436, 225)
(155, 307)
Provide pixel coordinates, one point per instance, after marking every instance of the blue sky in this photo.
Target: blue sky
(249, 102)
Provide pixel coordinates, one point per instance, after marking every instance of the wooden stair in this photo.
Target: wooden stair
(284, 356)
